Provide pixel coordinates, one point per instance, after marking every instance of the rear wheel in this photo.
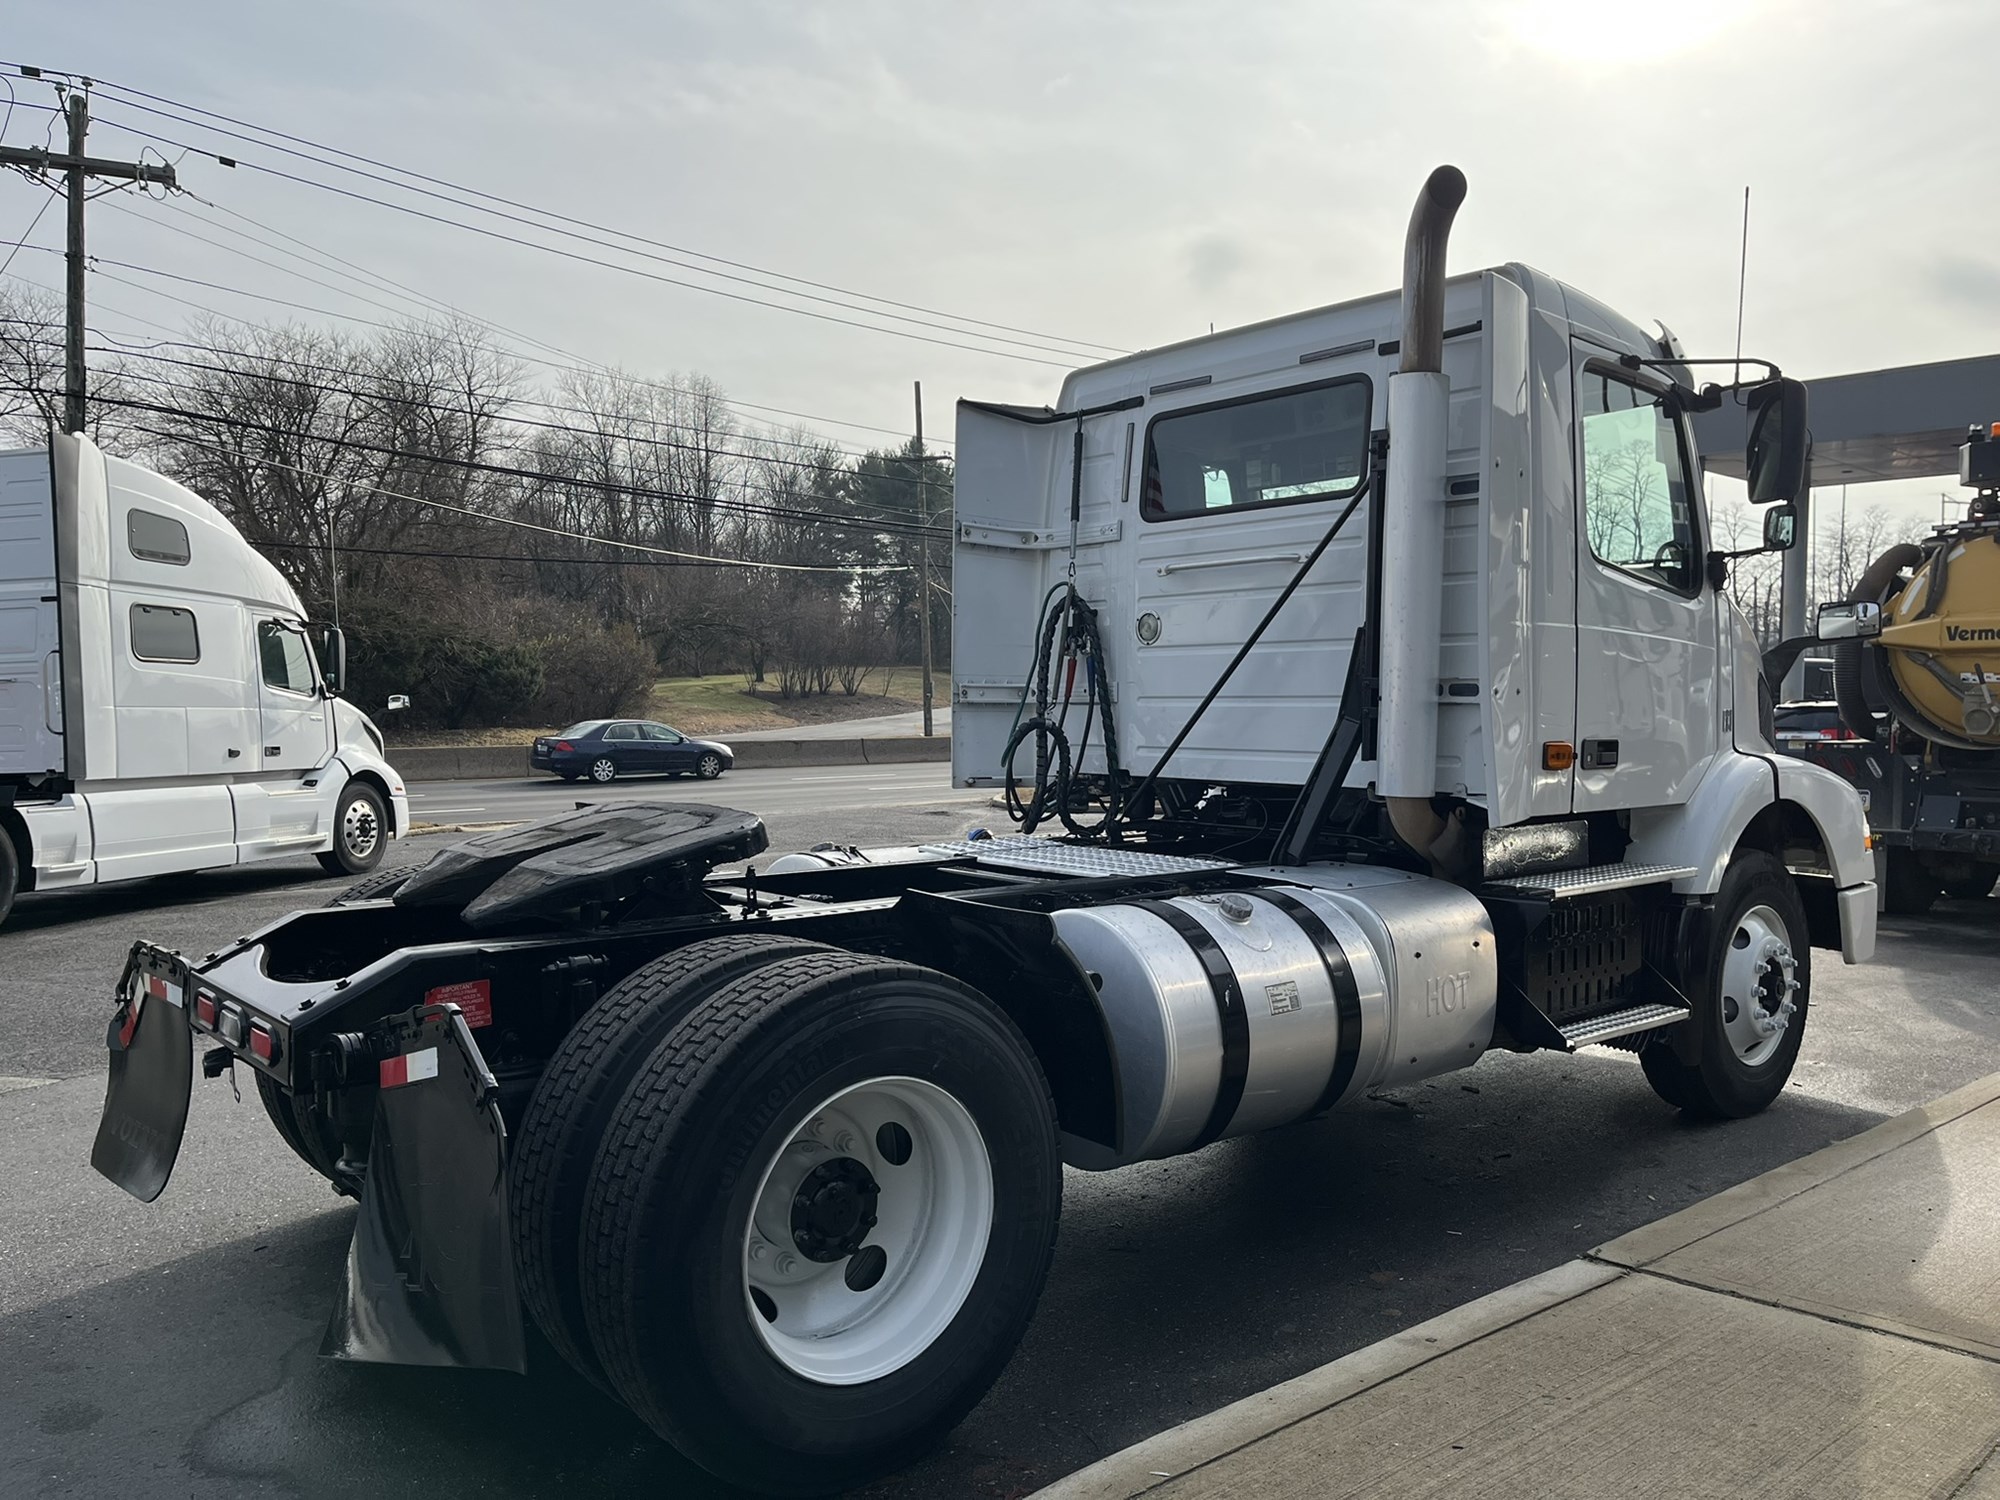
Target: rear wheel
(10, 873)
(377, 887)
(360, 831)
(1909, 888)
(580, 1089)
(1750, 1009)
(603, 769)
(1974, 883)
(821, 1219)
(310, 1134)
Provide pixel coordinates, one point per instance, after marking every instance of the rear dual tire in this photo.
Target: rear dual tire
(822, 1079)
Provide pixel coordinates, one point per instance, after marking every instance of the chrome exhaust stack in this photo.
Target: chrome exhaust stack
(1413, 527)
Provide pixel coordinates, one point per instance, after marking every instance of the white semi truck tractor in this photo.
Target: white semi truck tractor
(163, 706)
(1366, 693)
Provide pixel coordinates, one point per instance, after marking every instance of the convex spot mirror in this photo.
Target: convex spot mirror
(1848, 622)
(1774, 459)
(1781, 527)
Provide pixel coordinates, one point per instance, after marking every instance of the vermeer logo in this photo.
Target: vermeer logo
(1966, 633)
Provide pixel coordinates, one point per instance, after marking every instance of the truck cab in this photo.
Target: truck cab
(162, 704)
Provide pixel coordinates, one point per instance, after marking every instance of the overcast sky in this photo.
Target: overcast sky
(1126, 174)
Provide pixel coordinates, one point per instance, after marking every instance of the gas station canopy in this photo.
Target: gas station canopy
(1905, 423)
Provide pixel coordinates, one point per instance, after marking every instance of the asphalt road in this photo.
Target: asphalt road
(171, 1349)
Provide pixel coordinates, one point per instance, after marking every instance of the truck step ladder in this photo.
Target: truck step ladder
(1592, 880)
(1619, 1023)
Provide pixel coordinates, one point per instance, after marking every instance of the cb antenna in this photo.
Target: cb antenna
(1742, 272)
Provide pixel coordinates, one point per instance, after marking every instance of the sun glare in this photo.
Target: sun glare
(1619, 30)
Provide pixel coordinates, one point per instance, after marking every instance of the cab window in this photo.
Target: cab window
(1637, 507)
(1279, 448)
(163, 633)
(286, 659)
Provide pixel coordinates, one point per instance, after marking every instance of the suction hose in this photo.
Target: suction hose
(1850, 685)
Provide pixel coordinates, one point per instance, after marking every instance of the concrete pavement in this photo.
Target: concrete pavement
(1829, 1328)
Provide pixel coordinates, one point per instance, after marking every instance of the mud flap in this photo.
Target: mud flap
(152, 1074)
(430, 1272)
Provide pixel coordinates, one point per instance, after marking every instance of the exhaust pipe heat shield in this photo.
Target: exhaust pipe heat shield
(430, 1272)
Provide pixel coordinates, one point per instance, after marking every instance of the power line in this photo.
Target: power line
(580, 536)
(562, 481)
(16, 250)
(268, 136)
(592, 260)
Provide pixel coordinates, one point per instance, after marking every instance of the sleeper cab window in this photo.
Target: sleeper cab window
(162, 633)
(1636, 512)
(159, 539)
(286, 660)
(1277, 448)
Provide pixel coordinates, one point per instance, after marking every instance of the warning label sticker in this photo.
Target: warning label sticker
(474, 998)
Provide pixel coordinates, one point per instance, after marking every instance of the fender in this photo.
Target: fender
(351, 761)
(1704, 831)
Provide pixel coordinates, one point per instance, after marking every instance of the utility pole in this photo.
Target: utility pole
(78, 169)
(924, 556)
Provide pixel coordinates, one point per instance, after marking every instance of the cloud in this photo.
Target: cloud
(1213, 261)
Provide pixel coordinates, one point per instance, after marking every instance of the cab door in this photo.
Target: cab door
(1646, 662)
(291, 709)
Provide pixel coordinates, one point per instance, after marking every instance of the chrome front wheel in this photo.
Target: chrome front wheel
(1759, 979)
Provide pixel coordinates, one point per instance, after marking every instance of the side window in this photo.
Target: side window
(661, 733)
(286, 660)
(1637, 508)
(622, 732)
(156, 538)
(1279, 448)
(162, 633)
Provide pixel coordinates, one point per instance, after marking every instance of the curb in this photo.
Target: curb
(500, 762)
(1205, 1440)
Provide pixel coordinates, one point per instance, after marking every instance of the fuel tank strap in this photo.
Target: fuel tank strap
(1346, 994)
(1228, 1007)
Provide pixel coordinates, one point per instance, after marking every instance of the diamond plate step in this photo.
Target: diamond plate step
(1564, 885)
(1048, 857)
(1619, 1023)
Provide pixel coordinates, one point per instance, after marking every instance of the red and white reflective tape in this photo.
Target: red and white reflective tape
(415, 1068)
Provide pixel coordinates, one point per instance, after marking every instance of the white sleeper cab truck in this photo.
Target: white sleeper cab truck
(162, 707)
(1368, 700)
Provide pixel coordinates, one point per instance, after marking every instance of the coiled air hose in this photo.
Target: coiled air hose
(1067, 646)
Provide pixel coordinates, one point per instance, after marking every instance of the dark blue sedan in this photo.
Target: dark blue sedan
(605, 749)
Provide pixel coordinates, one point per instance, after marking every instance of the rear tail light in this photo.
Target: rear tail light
(562, 745)
(205, 1009)
(263, 1042)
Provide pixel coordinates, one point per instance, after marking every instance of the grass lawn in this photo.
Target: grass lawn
(722, 705)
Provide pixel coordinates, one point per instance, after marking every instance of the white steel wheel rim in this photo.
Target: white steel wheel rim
(359, 829)
(1759, 979)
(602, 769)
(933, 1218)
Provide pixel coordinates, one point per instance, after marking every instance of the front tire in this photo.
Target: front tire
(709, 766)
(360, 831)
(604, 769)
(1750, 1007)
(799, 1127)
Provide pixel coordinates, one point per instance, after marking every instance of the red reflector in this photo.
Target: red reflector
(156, 987)
(563, 745)
(204, 1010)
(397, 1071)
(263, 1042)
(473, 998)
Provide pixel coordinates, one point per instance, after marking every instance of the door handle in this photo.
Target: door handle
(234, 754)
(1231, 562)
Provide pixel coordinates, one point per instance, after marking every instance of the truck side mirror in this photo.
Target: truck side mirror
(1774, 460)
(333, 658)
(397, 701)
(1848, 622)
(1781, 527)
